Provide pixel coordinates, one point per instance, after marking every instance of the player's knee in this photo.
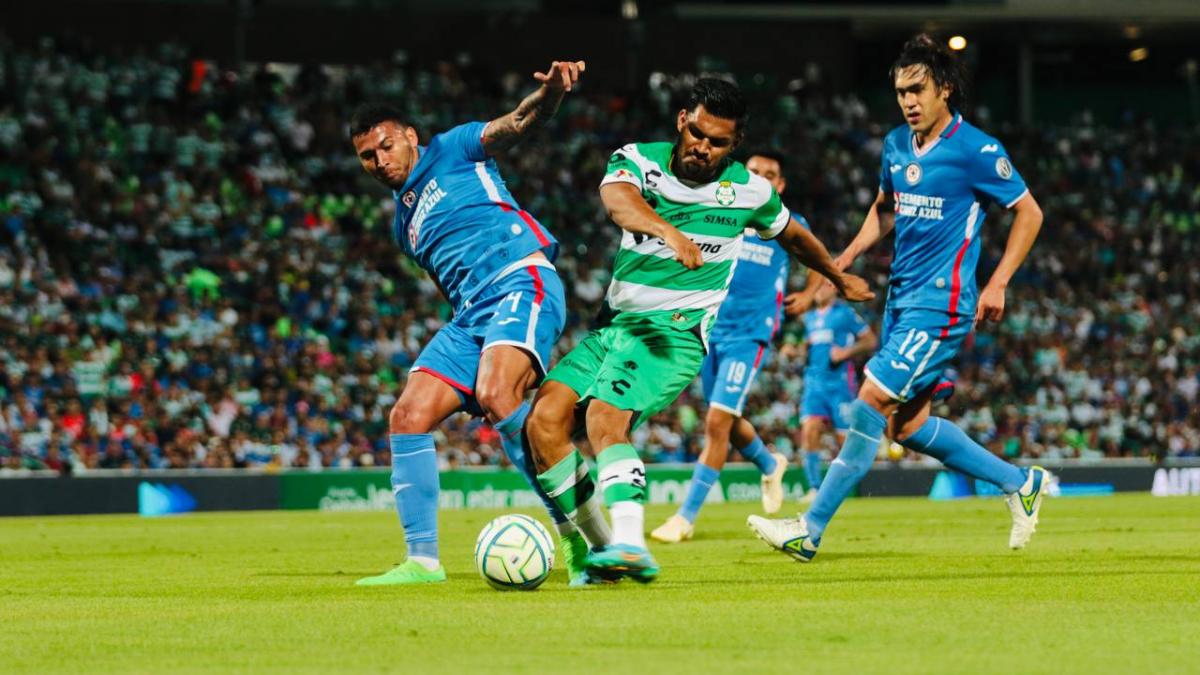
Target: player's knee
(497, 399)
(408, 417)
(607, 426)
(810, 432)
(718, 423)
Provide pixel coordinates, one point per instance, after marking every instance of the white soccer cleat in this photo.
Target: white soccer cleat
(1024, 505)
(809, 497)
(789, 535)
(772, 485)
(674, 531)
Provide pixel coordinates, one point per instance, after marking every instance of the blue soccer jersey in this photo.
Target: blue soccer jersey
(754, 306)
(457, 220)
(834, 326)
(941, 194)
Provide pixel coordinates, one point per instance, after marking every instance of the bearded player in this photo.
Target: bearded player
(683, 206)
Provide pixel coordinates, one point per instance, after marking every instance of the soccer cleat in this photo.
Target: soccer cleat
(675, 530)
(407, 572)
(809, 497)
(789, 535)
(772, 485)
(1024, 505)
(575, 550)
(614, 561)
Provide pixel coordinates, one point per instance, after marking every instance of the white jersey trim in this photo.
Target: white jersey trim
(527, 261)
(1019, 198)
(489, 185)
(625, 296)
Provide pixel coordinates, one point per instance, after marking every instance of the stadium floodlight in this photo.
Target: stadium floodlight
(957, 43)
(1139, 54)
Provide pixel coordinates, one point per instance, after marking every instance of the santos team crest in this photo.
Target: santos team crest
(725, 193)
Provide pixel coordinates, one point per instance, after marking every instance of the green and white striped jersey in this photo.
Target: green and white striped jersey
(647, 281)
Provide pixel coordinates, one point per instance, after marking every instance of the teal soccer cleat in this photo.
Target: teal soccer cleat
(615, 561)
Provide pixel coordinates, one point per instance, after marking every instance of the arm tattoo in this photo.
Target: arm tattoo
(504, 132)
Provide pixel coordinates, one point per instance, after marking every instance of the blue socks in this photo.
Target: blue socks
(757, 452)
(703, 478)
(512, 438)
(851, 464)
(945, 442)
(812, 469)
(415, 484)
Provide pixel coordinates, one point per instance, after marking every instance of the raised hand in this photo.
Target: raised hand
(561, 75)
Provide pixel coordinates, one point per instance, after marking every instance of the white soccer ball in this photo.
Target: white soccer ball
(514, 552)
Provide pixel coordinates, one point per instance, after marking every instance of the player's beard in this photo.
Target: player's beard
(692, 172)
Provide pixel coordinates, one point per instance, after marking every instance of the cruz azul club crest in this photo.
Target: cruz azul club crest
(725, 193)
(912, 173)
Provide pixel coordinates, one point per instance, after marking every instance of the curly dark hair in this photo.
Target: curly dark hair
(371, 114)
(720, 98)
(944, 67)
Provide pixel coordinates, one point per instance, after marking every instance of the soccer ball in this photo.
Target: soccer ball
(514, 552)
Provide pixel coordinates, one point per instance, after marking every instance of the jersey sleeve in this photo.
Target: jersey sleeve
(466, 140)
(885, 171)
(623, 168)
(855, 323)
(993, 174)
(770, 218)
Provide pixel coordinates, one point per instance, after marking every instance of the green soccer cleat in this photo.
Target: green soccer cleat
(574, 551)
(407, 572)
(614, 561)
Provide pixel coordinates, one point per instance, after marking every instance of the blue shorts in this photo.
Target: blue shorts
(918, 346)
(831, 403)
(728, 372)
(525, 308)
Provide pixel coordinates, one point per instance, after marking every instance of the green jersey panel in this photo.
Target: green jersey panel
(646, 277)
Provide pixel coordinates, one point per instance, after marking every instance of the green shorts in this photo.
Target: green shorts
(632, 365)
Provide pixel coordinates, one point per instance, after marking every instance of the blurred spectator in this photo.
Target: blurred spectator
(195, 273)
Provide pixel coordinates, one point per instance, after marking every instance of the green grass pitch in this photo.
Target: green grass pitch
(1109, 584)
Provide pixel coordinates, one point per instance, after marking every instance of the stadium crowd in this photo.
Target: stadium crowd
(194, 272)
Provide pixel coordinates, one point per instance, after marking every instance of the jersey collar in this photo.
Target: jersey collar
(950, 130)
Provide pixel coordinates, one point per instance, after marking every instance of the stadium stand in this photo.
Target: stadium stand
(195, 273)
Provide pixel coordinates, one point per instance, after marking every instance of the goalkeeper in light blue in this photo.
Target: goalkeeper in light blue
(939, 173)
